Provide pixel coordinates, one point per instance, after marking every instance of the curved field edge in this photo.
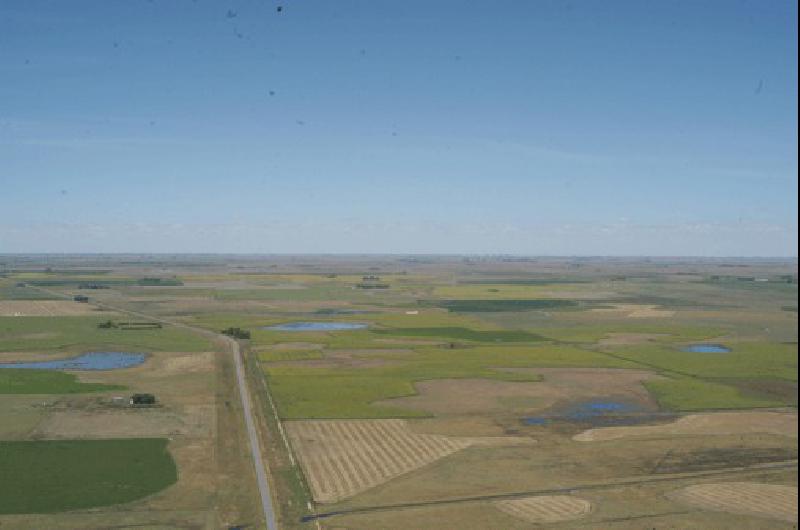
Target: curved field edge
(47, 476)
(327, 393)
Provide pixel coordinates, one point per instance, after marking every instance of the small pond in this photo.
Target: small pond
(316, 326)
(106, 360)
(707, 348)
(598, 413)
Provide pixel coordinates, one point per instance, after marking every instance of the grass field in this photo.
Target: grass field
(10, 291)
(497, 305)
(745, 360)
(689, 394)
(22, 381)
(53, 476)
(48, 333)
(463, 334)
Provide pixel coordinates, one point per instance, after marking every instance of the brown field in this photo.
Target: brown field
(44, 308)
(636, 311)
(190, 420)
(344, 457)
(546, 508)
(749, 498)
(482, 396)
(717, 423)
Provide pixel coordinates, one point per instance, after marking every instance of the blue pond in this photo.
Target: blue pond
(594, 412)
(707, 348)
(316, 326)
(106, 360)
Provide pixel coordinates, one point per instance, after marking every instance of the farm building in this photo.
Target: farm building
(143, 399)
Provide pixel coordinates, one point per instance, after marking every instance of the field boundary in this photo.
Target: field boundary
(772, 466)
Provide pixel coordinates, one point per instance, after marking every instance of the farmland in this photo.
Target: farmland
(21, 381)
(479, 394)
(54, 476)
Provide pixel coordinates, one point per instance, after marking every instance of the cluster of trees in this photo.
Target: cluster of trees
(236, 333)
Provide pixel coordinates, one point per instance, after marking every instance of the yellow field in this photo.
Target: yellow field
(343, 457)
(44, 308)
(765, 500)
(546, 508)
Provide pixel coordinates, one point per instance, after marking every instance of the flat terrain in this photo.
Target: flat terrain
(476, 392)
(55, 476)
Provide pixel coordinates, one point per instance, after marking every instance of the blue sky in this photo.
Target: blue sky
(547, 127)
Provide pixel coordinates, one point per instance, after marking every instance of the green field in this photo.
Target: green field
(307, 392)
(32, 381)
(480, 305)
(50, 333)
(54, 476)
(746, 359)
(463, 334)
(687, 394)
(11, 291)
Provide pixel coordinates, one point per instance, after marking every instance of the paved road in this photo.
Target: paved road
(255, 448)
(247, 408)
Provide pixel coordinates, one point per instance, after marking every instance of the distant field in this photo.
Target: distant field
(463, 334)
(686, 394)
(24, 381)
(27, 308)
(752, 360)
(10, 291)
(54, 476)
(47, 333)
(477, 306)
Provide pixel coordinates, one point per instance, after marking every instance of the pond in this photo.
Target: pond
(598, 413)
(707, 348)
(316, 326)
(108, 360)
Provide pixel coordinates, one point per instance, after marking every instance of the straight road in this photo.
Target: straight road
(255, 447)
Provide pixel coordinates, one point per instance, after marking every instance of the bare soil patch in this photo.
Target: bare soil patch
(193, 421)
(186, 363)
(344, 457)
(44, 308)
(485, 396)
(749, 498)
(636, 311)
(546, 509)
(717, 423)
(651, 311)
